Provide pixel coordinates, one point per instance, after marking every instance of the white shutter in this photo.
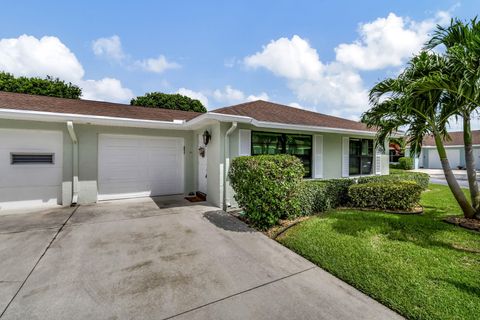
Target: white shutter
(245, 142)
(318, 156)
(345, 156)
(378, 161)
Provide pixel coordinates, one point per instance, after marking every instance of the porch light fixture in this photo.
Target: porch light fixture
(206, 137)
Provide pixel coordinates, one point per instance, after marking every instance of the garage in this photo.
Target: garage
(138, 166)
(31, 167)
(453, 156)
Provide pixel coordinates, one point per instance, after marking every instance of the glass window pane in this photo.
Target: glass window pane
(354, 165)
(300, 146)
(367, 164)
(266, 143)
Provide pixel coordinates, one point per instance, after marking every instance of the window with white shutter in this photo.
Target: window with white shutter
(318, 156)
(245, 142)
(345, 156)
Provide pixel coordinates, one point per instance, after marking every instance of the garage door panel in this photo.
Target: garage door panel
(453, 156)
(27, 185)
(131, 166)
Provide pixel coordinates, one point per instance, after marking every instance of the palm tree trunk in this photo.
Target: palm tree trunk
(470, 164)
(462, 201)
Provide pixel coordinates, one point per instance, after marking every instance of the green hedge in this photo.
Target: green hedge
(405, 163)
(322, 195)
(268, 187)
(422, 179)
(401, 195)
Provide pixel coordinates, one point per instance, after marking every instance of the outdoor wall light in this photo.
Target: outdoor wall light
(206, 137)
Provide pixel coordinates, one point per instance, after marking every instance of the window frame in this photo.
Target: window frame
(361, 158)
(284, 146)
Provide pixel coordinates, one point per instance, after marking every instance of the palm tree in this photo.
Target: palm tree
(395, 105)
(460, 84)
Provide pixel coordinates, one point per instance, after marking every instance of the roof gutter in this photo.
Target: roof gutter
(74, 139)
(226, 165)
(175, 124)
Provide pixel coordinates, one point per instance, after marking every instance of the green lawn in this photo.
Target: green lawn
(417, 265)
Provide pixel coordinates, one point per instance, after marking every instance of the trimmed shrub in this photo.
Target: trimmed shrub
(422, 179)
(405, 163)
(322, 195)
(268, 187)
(401, 195)
(395, 166)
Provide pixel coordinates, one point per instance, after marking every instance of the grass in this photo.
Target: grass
(417, 265)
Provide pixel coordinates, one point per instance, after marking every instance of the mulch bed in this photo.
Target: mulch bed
(472, 224)
(283, 226)
(416, 210)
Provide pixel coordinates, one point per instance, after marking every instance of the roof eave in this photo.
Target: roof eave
(181, 124)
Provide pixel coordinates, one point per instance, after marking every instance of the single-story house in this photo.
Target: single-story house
(56, 151)
(455, 149)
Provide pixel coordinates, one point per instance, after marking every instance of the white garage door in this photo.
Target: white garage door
(138, 166)
(453, 156)
(31, 166)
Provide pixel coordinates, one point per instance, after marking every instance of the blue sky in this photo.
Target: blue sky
(318, 55)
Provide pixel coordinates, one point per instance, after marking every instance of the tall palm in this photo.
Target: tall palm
(395, 105)
(460, 84)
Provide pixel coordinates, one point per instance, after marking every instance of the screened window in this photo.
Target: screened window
(361, 157)
(31, 158)
(281, 143)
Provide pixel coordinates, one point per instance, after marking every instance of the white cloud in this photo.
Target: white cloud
(337, 87)
(231, 95)
(106, 89)
(156, 65)
(29, 56)
(194, 95)
(293, 59)
(262, 96)
(32, 57)
(109, 47)
(296, 105)
(387, 42)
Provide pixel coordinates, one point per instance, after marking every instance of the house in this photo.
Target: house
(56, 151)
(455, 149)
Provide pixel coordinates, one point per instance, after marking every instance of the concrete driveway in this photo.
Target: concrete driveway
(161, 259)
(437, 176)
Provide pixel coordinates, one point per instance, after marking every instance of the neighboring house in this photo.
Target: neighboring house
(395, 152)
(59, 151)
(430, 159)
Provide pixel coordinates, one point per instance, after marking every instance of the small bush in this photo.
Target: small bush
(395, 166)
(422, 179)
(268, 187)
(322, 195)
(405, 163)
(401, 195)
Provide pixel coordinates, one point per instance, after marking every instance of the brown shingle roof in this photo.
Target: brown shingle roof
(273, 112)
(21, 101)
(456, 139)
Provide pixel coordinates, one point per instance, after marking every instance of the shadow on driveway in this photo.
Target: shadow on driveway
(226, 222)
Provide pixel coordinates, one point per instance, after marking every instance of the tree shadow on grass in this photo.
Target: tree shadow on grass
(473, 290)
(418, 230)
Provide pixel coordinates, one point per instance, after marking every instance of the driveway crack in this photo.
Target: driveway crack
(238, 293)
(38, 261)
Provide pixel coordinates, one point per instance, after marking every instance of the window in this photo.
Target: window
(360, 156)
(31, 158)
(281, 143)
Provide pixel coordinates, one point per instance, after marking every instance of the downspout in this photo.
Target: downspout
(73, 137)
(226, 157)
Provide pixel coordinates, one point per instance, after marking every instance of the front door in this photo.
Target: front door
(202, 165)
